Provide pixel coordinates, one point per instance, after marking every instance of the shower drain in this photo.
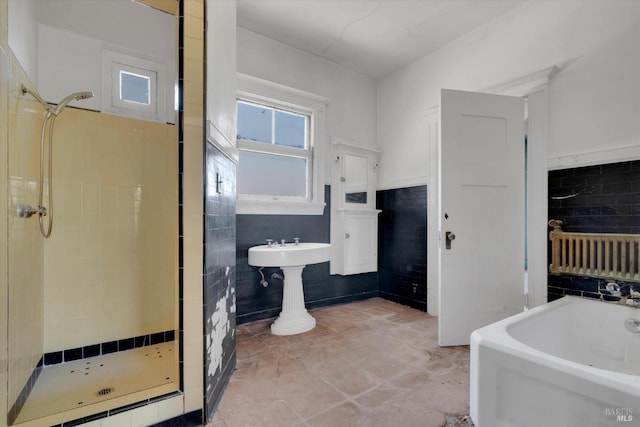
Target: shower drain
(104, 391)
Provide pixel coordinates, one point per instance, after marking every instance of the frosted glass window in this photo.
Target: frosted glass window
(255, 122)
(291, 129)
(263, 174)
(135, 88)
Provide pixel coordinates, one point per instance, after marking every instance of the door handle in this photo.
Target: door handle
(449, 237)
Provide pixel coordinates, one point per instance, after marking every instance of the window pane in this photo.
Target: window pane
(134, 88)
(290, 129)
(271, 175)
(254, 122)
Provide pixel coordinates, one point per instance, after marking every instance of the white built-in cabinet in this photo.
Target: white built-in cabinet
(354, 217)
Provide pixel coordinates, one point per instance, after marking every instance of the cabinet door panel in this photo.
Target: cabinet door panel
(361, 243)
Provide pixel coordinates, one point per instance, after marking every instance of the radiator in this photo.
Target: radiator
(600, 255)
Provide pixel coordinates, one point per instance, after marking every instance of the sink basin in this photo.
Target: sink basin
(291, 258)
(289, 255)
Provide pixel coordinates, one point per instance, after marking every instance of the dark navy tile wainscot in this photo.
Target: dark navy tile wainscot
(593, 199)
(219, 274)
(402, 245)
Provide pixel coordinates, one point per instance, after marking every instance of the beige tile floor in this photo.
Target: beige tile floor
(369, 363)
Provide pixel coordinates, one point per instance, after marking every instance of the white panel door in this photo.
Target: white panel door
(481, 212)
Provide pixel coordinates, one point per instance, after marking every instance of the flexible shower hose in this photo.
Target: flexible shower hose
(46, 212)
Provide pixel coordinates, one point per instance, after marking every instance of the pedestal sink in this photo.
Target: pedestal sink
(291, 258)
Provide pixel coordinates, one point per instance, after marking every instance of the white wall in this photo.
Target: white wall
(595, 103)
(221, 71)
(351, 113)
(23, 35)
(119, 22)
(594, 98)
(69, 62)
(72, 35)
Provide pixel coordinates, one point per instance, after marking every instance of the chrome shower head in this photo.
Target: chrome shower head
(78, 96)
(55, 110)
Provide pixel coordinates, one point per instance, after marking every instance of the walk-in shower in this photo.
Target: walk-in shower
(92, 312)
(51, 112)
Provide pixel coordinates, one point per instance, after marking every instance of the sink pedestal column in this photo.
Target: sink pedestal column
(294, 318)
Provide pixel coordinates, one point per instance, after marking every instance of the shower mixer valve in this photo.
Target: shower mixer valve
(27, 211)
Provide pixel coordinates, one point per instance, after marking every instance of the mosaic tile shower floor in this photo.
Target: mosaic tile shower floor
(370, 363)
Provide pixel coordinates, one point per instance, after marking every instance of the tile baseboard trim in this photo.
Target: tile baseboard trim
(312, 305)
(418, 305)
(274, 312)
(257, 315)
(69, 355)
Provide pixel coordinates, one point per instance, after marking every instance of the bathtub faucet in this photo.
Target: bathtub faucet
(611, 288)
(633, 299)
(629, 295)
(633, 302)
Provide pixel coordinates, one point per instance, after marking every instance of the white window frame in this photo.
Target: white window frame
(280, 97)
(272, 148)
(116, 89)
(112, 63)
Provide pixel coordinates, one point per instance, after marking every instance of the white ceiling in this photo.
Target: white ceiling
(373, 37)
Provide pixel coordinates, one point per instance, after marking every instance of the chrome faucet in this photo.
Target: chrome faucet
(611, 288)
(270, 242)
(282, 242)
(296, 241)
(629, 295)
(633, 299)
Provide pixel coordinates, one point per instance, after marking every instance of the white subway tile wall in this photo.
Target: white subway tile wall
(24, 243)
(4, 88)
(193, 205)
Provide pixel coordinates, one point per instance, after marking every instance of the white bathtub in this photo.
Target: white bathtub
(568, 363)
